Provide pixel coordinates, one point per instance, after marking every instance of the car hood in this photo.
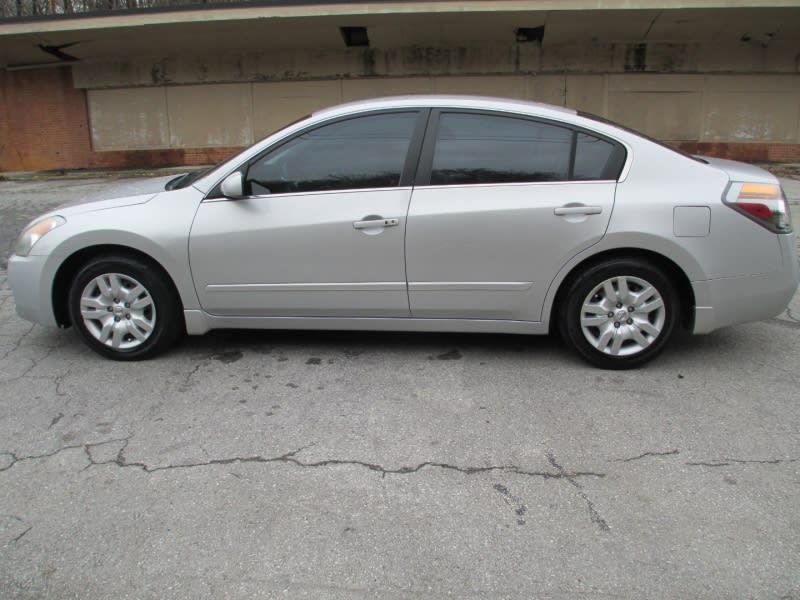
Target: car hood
(739, 171)
(123, 193)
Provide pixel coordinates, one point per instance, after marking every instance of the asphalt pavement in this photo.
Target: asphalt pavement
(392, 465)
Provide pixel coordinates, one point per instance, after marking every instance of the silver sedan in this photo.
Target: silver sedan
(424, 213)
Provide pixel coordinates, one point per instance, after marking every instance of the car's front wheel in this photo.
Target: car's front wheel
(620, 313)
(123, 308)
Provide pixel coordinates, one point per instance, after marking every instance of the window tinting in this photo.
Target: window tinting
(594, 159)
(475, 148)
(364, 152)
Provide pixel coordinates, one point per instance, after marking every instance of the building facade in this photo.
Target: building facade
(191, 86)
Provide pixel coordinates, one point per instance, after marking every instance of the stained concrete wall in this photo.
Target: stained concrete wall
(694, 108)
(435, 60)
(686, 92)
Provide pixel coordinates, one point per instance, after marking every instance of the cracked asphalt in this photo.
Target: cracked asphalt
(372, 465)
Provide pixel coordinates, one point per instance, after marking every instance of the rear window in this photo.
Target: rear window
(594, 159)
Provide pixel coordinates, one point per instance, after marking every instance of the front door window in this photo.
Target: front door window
(360, 153)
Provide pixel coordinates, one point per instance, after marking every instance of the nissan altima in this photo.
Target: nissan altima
(422, 213)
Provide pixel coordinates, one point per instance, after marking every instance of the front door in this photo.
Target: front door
(322, 230)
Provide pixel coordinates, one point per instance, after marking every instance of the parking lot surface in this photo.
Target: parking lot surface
(388, 465)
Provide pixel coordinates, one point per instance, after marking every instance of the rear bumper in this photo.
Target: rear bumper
(733, 300)
(28, 280)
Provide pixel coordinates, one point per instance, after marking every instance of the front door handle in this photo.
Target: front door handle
(577, 210)
(371, 222)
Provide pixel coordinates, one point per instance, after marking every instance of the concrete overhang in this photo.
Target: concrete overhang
(316, 25)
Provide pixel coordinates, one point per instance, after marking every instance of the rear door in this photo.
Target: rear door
(501, 203)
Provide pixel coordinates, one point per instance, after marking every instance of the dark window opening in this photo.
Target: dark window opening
(355, 36)
(530, 34)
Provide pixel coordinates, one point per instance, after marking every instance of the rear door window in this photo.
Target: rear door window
(480, 148)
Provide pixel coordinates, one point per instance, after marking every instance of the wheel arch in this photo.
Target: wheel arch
(672, 270)
(73, 263)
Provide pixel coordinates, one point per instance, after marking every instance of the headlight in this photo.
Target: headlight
(28, 238)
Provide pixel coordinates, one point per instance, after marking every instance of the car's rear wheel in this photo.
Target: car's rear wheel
(620, 313)
(123, 308)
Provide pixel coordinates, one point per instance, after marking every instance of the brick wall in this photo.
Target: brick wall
(749, 152)
(44, 123)
(159, 158)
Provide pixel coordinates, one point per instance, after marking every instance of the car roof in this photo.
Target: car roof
(449, 101)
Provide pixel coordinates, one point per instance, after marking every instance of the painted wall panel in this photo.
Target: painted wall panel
(753, 83)
(550, 89)
(280, 103)
(361, 89)
(586, 93)
(128, 118)
(666, 116)
(508, 87)
(210, 115)
(645, 82)
(751, 117)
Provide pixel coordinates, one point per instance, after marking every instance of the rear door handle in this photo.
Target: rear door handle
(375, 222)
(578, 210)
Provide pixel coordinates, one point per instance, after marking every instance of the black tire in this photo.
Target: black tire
(148, 324)
(588, 329)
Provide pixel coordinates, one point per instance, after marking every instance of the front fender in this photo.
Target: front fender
(158, 229)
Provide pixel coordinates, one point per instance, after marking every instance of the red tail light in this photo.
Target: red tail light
(764, 203)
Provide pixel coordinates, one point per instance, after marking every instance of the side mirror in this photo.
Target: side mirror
(233, 186)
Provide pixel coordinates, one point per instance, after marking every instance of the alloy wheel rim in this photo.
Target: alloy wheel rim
(118, 311)
(622, 316)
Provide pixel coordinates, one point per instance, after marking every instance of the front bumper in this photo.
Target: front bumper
(28, 279)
